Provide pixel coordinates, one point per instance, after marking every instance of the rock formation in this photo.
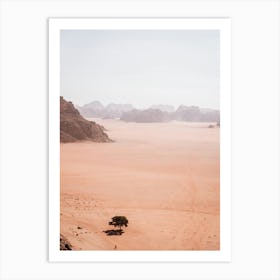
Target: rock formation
(64, 243)
(73, 127)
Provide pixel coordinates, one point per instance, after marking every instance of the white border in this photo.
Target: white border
(222, 24)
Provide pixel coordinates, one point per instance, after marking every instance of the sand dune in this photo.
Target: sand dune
(164, 177)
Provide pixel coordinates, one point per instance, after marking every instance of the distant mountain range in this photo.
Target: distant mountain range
(155, 113)
(163, 108)
(73, 127)
(95, 109)
(145, 116)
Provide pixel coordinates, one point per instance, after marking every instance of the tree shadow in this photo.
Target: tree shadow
(114, 231)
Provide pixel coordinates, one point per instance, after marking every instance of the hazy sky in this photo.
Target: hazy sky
(141, 67)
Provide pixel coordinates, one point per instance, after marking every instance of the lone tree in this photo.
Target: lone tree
(119, 221)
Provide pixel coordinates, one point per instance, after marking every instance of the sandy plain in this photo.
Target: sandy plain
(164, 177)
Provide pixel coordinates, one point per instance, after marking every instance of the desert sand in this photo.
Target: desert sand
(164, 177)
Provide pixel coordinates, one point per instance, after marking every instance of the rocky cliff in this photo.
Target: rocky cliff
(73, 127)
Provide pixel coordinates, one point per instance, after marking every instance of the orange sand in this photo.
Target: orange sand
(164, 177)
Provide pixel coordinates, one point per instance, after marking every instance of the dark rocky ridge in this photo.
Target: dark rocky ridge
(64, 243)
(73, 127)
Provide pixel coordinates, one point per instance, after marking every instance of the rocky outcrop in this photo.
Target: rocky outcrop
(73, 127)
(64, 243)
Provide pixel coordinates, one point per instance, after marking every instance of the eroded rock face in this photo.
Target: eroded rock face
(64, 243)
(73, 127)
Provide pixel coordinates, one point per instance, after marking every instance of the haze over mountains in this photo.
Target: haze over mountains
(95, 109)
(154, 113)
